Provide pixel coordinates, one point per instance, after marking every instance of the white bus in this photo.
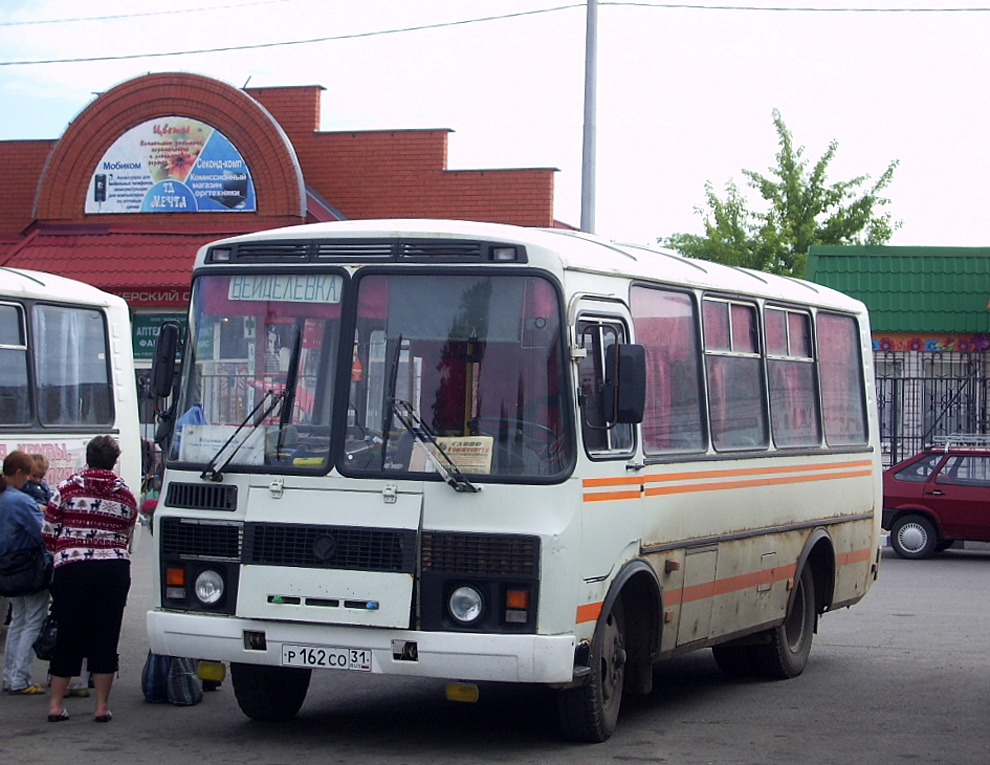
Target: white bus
(66, 372)
(487, 453)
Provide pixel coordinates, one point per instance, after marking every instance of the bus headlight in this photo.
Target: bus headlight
(465, 604)
(209, 587)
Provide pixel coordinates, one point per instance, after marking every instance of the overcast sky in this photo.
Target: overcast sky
(685, 92)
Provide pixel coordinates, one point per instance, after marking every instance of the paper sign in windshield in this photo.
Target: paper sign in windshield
(471, 454)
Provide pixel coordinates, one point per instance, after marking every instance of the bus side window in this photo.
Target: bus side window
(599, 437)
(666, 326)
(15, 403)
(734, 366)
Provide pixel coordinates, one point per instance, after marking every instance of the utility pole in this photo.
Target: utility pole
(588, 150)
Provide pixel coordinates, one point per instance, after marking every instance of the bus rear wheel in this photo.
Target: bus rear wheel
(270, 694)
(786, 652)
(590, 711)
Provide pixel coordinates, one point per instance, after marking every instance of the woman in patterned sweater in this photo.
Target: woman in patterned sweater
(88, 526)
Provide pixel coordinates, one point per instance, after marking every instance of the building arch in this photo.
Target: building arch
(275, 169)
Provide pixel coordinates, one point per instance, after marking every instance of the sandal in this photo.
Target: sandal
(103, 718)
(58, 717)
(30, 690)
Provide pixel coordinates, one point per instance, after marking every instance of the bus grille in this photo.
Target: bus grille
(272, 252)
(187, 538)
(201, 496)
(481, 554)
(360, 549)
(440, 250)
(343, 250)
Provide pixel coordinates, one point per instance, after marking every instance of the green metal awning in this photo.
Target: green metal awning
(910, 289)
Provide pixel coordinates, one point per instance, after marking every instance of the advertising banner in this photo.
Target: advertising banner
(170, 165)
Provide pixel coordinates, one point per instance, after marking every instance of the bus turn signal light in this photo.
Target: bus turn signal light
(518, 599)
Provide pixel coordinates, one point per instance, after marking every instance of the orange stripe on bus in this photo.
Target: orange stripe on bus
(732, 584)
(589, 612)
(599, 496)
(727, 585)
(590, 483)
(776, 481)
(769, 480)
(856, 556)
(677, 597)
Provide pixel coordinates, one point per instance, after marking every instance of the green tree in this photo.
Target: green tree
(801, 209)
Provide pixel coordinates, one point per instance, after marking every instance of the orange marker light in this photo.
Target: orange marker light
(517, 599)
(175, 577)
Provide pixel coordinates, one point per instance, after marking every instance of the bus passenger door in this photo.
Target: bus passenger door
(609, 526)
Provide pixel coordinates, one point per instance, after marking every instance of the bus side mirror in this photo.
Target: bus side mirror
(163, 363)
(625, 383)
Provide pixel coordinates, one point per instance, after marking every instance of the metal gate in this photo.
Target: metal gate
(923, 396)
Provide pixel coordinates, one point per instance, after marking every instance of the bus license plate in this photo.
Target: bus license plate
(321, 657)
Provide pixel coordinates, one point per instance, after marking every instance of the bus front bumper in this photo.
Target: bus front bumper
(464, 656)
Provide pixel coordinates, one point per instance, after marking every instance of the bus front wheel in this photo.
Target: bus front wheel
(269, 693)
(589, 712)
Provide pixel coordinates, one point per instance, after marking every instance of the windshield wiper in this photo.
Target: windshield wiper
(417, 428)
(422, 435)
(286, 397)
(215, 473)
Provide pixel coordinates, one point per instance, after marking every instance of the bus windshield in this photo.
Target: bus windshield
(449, 373)
(259, 371)
(457, 371)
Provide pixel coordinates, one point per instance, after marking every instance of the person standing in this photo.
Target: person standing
(20, 529)
(88, 527)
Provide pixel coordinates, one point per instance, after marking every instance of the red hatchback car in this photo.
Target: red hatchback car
(937, 497)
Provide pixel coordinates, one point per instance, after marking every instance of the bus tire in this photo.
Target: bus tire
(734, 660)
(269, 694)
(589, 712)
(913, 537)
(786, 652)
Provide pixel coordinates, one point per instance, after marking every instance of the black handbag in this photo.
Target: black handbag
(44, 644)
(23, 572)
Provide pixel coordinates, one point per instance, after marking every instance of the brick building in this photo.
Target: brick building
(159, 165)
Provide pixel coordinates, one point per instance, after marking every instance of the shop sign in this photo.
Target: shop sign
(145, 331)
(171, 165)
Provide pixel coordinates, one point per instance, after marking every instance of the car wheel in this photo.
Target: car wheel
(913, 537)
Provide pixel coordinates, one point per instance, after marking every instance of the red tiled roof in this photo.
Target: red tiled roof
(110, 261)
(113, 259)
(7, 245)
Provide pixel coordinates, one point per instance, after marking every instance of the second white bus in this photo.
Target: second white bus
(66, 372)
(488, 453)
